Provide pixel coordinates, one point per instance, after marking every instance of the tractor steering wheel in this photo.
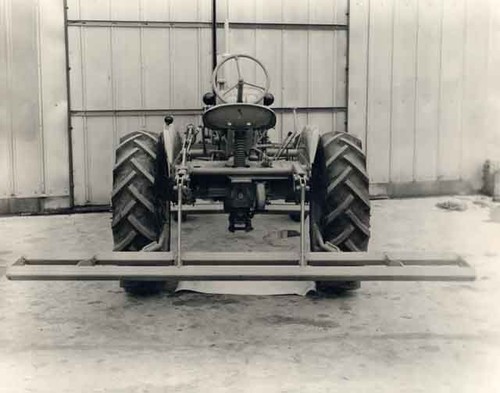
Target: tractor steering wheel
(241, 83)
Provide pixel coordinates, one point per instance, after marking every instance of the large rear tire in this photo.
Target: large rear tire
(340, 203)
(141, 211)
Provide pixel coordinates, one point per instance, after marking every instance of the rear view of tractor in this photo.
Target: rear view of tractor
(230, 159)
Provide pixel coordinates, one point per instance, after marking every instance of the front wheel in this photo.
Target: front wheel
(340, 203)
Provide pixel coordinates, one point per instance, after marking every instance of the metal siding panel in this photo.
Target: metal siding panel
(403, 90)
(75, 63)
(126, 125)
(155, 123)
(342, 11)
(295, 11)
(73, 9)
(358, 67)
(379, 90)
(185, 10)
(177, 76)
(125, 10)
(204, 11)
(321, 120)
(205, 61)
(321, 63)
(339, 122)
(493, 99)
(25, 102)
(289, 123)
(158, 10)
(242, 10)
(269, 52)
(100, 159)
(243, 41)
(184, 63)
(295, 64)
(95, 9)
(156, 63)
(5, 107)
(126, 48)
(450, 111)
(475, 85)
(55, 104)
(80, 151)
(340, 68)
(322, 11)
(268, 10)
(427, 99)
(222, 7)
(97, 67)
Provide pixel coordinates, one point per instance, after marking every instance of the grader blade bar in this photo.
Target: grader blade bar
(320, 266)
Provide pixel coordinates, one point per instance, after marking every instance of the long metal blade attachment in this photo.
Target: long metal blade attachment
(319, 266)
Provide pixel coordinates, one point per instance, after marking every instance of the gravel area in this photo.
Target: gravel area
(385, 337)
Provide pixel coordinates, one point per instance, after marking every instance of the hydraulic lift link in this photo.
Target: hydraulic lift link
(301, 183)
(180, 185)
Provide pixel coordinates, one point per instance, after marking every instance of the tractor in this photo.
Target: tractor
(231, 160)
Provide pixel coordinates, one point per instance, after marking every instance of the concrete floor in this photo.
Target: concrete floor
(386, 337)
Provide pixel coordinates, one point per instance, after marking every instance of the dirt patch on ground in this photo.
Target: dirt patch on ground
(284, 320)
(199, 300)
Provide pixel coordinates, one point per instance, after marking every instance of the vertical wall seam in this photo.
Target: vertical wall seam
(113, 82)
(171, 56)
(367, 101)
(490, 107)
(415, 101)
(69, 123)
(6, 191)
(391, 90)
(8, 66)
(41, 135)
(114, 120)
(255, 37)
(83, 59)
(282, 65)
(308, 64)
(335, 63)
(142, 66)
(198, 55)
(464, 79)
(438, 154)
(170, 67)
(334, 78)
(346, 67)
(485, 106)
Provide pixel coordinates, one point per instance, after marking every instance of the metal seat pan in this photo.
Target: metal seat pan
(236, 116)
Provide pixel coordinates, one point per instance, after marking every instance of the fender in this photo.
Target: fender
(173, 144)
(308, 145)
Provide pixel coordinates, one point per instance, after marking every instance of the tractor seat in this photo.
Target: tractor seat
(236, 116)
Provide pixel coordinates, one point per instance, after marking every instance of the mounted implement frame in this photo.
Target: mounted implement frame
(317, 266)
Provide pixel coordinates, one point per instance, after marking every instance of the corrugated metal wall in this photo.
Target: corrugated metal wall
(125, 74)
(425, 88)
(33, 106)
(424, 82)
